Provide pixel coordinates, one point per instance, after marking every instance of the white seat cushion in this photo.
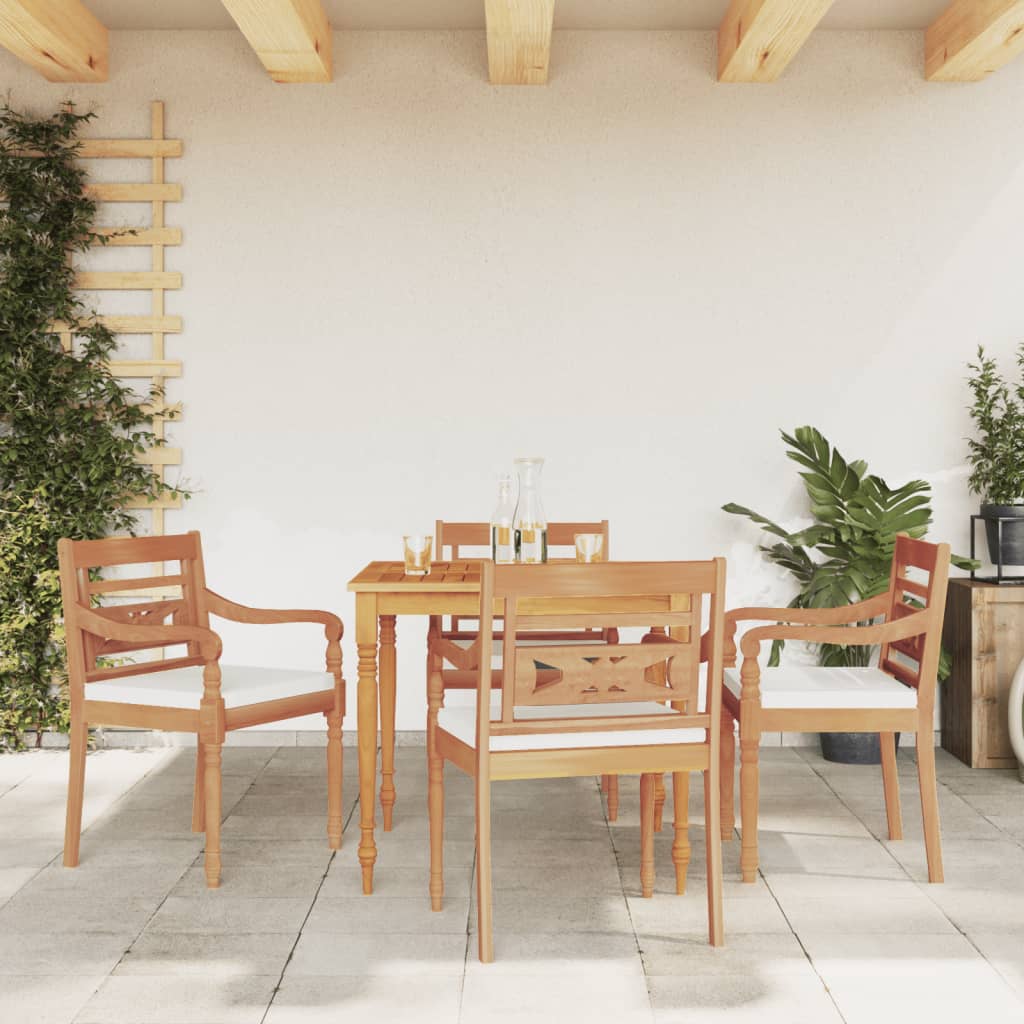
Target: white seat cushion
(183, 687)
(809, 686)
(460, 722)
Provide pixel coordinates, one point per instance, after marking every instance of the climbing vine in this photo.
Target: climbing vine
(71, 433)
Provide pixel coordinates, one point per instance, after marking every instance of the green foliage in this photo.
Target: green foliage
(70, 432)
(846, 556)
(997, 456)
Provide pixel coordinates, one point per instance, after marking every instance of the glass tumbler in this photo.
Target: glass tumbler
(589, 547)
(416, 548)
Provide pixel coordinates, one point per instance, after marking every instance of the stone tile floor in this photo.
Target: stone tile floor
(841, 925)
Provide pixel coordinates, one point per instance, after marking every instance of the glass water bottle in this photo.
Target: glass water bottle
(530, 525)
(503, 542)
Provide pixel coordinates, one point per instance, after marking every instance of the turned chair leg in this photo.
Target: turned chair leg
(435, 807)
(929, 804)
(76, 793)
(727, 774)
(748, 803)
(335, 779)
(891, 785)
(681, 823)
(647, 834)
(485, 910)
(659, 800)
(212, 758)
(613, 797)
(199, 792)
(713, 838)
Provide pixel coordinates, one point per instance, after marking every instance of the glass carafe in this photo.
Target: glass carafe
(531, 526)
(503, 542)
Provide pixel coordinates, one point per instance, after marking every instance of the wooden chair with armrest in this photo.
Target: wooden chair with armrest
(188, 692)
(577, 710)
(896, 696)
(450, 541)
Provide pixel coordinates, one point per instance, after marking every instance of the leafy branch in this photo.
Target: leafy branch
(996, 456)
(71, 433)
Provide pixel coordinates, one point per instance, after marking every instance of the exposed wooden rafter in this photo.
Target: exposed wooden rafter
(62, 39)
(973, 38)
(291, 37)
(758, 38)
(519, 40)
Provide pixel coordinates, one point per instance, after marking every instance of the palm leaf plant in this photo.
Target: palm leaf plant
(846, 555)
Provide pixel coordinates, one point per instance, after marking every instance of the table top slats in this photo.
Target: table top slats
(390, 577)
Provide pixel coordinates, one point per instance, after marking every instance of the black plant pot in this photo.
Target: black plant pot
(853, 747)
(1013, 533)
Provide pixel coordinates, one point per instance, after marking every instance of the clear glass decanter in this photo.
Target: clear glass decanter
(503, 541)
(531, 526)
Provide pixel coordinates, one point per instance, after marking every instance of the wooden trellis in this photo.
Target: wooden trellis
(156, 236)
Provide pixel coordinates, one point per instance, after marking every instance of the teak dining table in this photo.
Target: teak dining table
(383, 592)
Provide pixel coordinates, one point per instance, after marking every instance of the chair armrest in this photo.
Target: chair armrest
(883, 632)
(99, 625)
(225, 609)
(814, 616)
(858, 612)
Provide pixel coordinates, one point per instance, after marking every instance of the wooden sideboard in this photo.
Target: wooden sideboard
(984, 633)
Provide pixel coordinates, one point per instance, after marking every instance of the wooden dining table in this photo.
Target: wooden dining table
(384, 592)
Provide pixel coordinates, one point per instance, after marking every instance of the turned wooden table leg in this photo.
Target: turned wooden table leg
(647, 835)
(366, 716)
(387, 719)
(435, 787)
(681, 824)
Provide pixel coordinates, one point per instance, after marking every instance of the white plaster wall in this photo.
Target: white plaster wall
(397, 282)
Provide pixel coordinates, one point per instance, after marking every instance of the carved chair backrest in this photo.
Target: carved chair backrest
(160, 594)
(915, 661)
(657, 596)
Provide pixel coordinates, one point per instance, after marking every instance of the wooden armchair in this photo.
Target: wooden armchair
(455, 538)
(896, 696)
(187, 692)
(576, 710)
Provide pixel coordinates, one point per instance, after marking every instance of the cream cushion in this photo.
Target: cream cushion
(460, 722)
(809, 686)
(183, 687)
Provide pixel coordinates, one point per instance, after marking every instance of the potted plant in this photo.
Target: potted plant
(997, 455)
(845, 556)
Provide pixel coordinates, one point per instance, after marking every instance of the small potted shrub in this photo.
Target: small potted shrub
(997, 455)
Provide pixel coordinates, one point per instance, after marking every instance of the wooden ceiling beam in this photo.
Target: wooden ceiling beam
(62, 39)
(758, 38)
(519, 40)
(973, 38)
(291, 37)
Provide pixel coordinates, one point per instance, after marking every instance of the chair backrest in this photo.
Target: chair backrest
(915, 661)
(151, 595)
(456, 537)
(652, 595)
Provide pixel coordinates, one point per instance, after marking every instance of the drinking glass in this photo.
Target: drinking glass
(416, 550)
(589, 547)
